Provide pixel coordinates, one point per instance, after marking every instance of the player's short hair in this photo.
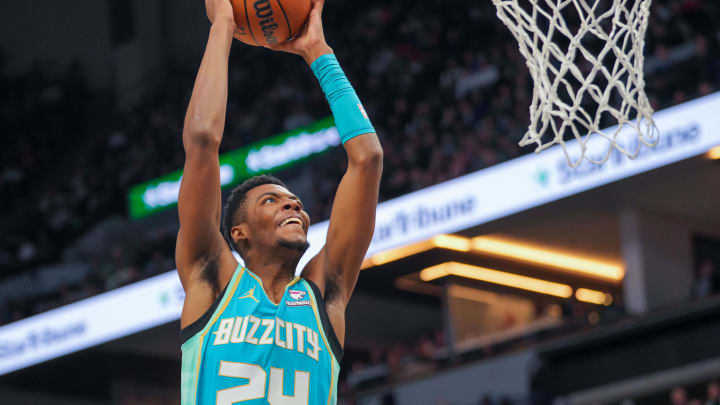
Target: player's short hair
(235, 211)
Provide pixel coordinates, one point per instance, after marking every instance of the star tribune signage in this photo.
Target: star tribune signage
(92, 321)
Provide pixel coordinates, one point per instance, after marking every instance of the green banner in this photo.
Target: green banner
(274, 153)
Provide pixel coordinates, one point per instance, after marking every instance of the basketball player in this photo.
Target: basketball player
(258, 334)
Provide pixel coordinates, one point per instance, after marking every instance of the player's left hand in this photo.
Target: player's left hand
(219, 10)
(310, 41)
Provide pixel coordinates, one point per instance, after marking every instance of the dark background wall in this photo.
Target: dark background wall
(119, 45)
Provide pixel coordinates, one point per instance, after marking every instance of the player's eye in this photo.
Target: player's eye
(269, 199)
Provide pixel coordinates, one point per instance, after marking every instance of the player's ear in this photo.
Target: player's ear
(240, 233)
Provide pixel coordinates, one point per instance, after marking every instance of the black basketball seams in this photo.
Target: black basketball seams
(247, 18)
(290, 32)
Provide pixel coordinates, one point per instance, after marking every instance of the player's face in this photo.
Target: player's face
(277, 218)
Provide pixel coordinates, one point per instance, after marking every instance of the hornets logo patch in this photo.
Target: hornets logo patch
(297, 299)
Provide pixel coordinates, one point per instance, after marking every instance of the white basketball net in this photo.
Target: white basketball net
(586, 61)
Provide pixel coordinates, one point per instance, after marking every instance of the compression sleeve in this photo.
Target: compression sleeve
(350, 116)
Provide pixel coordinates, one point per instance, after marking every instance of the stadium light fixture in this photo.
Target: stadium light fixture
(496, 277)
(452, 242)
(526, 253)
(503, 248)
(391, 255)
(442, 241)
(714, 153)
(593, 296)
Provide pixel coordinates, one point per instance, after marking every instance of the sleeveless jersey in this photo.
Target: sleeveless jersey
(247, 350)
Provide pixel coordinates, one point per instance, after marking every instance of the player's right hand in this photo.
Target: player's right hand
(310, 41)
(219, 10)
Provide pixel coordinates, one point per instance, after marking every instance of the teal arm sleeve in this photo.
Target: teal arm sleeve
(350, 116)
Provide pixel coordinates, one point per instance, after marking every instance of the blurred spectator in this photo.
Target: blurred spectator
(678, 396)
(713, 393)
(707, 281)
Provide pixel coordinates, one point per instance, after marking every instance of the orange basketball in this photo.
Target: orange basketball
(269, 22)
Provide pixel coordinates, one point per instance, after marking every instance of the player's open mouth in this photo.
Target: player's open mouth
(291, 220)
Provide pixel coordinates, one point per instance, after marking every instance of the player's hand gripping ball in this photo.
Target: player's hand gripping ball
(269, 22)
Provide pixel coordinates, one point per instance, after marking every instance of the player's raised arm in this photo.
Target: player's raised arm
(200, 242)
(352, 221)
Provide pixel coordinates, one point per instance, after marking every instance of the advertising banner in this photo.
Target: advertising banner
(91, 321)
(275, 153)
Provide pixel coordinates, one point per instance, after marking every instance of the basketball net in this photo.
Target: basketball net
(586, 61)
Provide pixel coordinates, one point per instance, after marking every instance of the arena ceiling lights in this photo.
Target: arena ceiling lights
(510, 280)
(451, 242)
(496, 277)
(714, 153)
(511, 250)
(593, 296)
(536, 255)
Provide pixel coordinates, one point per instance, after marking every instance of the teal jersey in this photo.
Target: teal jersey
(248, 350)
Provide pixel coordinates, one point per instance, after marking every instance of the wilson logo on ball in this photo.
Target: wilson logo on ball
(269, 22)
(264, 11)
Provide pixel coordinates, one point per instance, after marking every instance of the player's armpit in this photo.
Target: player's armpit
(204, 261)
(352, 221)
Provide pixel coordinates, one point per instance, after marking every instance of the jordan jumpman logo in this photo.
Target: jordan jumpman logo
(249, 294)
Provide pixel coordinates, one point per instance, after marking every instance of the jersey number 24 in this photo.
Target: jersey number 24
(255, 387)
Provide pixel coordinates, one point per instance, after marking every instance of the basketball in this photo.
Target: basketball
(269, 22)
